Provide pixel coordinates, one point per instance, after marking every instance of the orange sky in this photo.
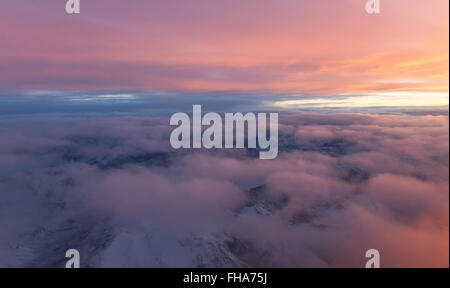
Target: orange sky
(320, 47)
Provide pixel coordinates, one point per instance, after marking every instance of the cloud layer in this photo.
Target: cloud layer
(112, 188)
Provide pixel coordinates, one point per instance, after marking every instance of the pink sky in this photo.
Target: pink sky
(270, 46)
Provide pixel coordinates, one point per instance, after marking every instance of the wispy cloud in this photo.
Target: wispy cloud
(313, 47)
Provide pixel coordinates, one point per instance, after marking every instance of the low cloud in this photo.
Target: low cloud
(114, 189)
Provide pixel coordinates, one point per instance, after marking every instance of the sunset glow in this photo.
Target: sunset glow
(263, 46)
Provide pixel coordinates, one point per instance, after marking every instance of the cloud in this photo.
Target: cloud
(114, 189)
(273, 46)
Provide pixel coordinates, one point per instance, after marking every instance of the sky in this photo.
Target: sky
(274, 47)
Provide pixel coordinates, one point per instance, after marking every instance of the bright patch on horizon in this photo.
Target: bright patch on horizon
(385, 99)
(104, 97)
